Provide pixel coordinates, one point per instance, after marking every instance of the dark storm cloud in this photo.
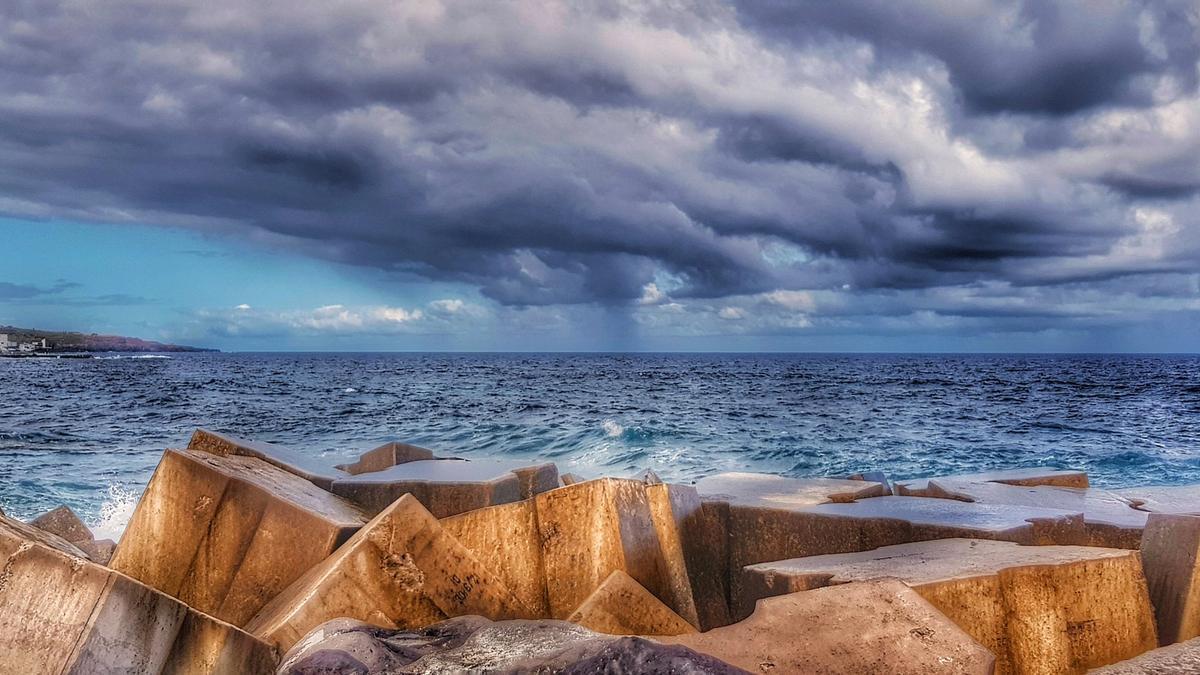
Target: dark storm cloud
(550, 152)
(10, 291)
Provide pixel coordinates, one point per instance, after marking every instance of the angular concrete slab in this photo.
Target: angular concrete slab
(1171, 557)
(867, 627)
(305, 466)
(769, 491)
(62, 614)
(1091, 603)
(63, 522)
(1178, 659)
(385, 456)
(675, 510)
(919, 487)
(1163, 498)
(1109, 519)
(448, 487)
(99, 551)
(225, 534)
(590, 529)
(506, 540)
(402, 569)
(622, 606)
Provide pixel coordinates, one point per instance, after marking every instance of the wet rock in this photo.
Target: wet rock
(505, 539)
(1177, 659)
(622, 606)
(402, 569)
(865, 627)
(473, 644)
(590, 529)
(1109, 519)
(448, 486)
(63, 522)
(60, 613)
(385, 456)
(305, 466)
(1026, 604)
(226, 534)
(1171, 557)
(1028, 477)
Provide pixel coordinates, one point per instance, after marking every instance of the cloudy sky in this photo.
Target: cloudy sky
(771, 174)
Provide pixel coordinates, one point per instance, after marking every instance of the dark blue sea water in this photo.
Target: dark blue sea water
(88, 433)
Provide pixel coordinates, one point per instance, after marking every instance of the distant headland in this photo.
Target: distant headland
(31, 342)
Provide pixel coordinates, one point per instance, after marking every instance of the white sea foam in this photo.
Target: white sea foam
(349, 390)
(612, 428)
(115, 513)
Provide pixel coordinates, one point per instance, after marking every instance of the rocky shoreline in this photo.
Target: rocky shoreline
(246, 557)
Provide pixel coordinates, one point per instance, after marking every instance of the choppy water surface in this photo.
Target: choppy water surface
(88, 433)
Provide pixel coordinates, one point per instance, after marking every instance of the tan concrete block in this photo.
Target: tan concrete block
(506, 539)
(63, 522)
(919, 487)
(99, 551)
(622, 606)
(693, 565)
(572, 478)
(867, 627)
(309, 468)
(1171, 558)
(1177, 659)
(385, 456)
(1183, 499)
(402, 569)
(1038, 609)
(1109, 519)
(763, 534)
(590, 529)
(62, 614)
(769, 491)
(225, 534)
(448, 486)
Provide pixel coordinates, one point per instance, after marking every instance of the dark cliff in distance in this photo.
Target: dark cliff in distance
(60, 341)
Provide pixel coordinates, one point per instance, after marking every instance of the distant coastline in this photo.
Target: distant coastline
(31, 341)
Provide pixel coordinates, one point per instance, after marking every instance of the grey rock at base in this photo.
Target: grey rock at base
(474, 644)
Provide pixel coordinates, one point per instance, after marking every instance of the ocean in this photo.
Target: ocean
(88, 433)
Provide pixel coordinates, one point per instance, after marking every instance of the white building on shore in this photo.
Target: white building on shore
(8, 345)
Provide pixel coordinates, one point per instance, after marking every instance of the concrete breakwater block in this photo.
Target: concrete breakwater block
(769, 491)
(64, 523)
(402, 569)
(506, 540)
(590, 529)
(60, 613)
(1163, 499)
(695, 568)
(866, 627)
(1038, 609)
(385, 456)
(1109, 519)
(476, 645)
(305, 466)
(1177, 659)
(448, 486)
(919, 487)
(622, 606)
(226, 534)
(1171, 558)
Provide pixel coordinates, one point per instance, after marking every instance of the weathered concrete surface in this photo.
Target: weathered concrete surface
(448, 487)
(874, 477)
(571, 479)
(768, 491)
(305, 466)
(622, 606)
(675, 511)
(993, 590)
(1171, 558)
(60, 613)
(1164, 499)
(760, 534)
(225, 534)
(474, 644)
(63, 522)
(402, 569)
(919, 487)
(506, 540)
(590, 529)
(386, 456)
(1109, 519)
(867, 627)
(1178, 659)
(99, 551)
